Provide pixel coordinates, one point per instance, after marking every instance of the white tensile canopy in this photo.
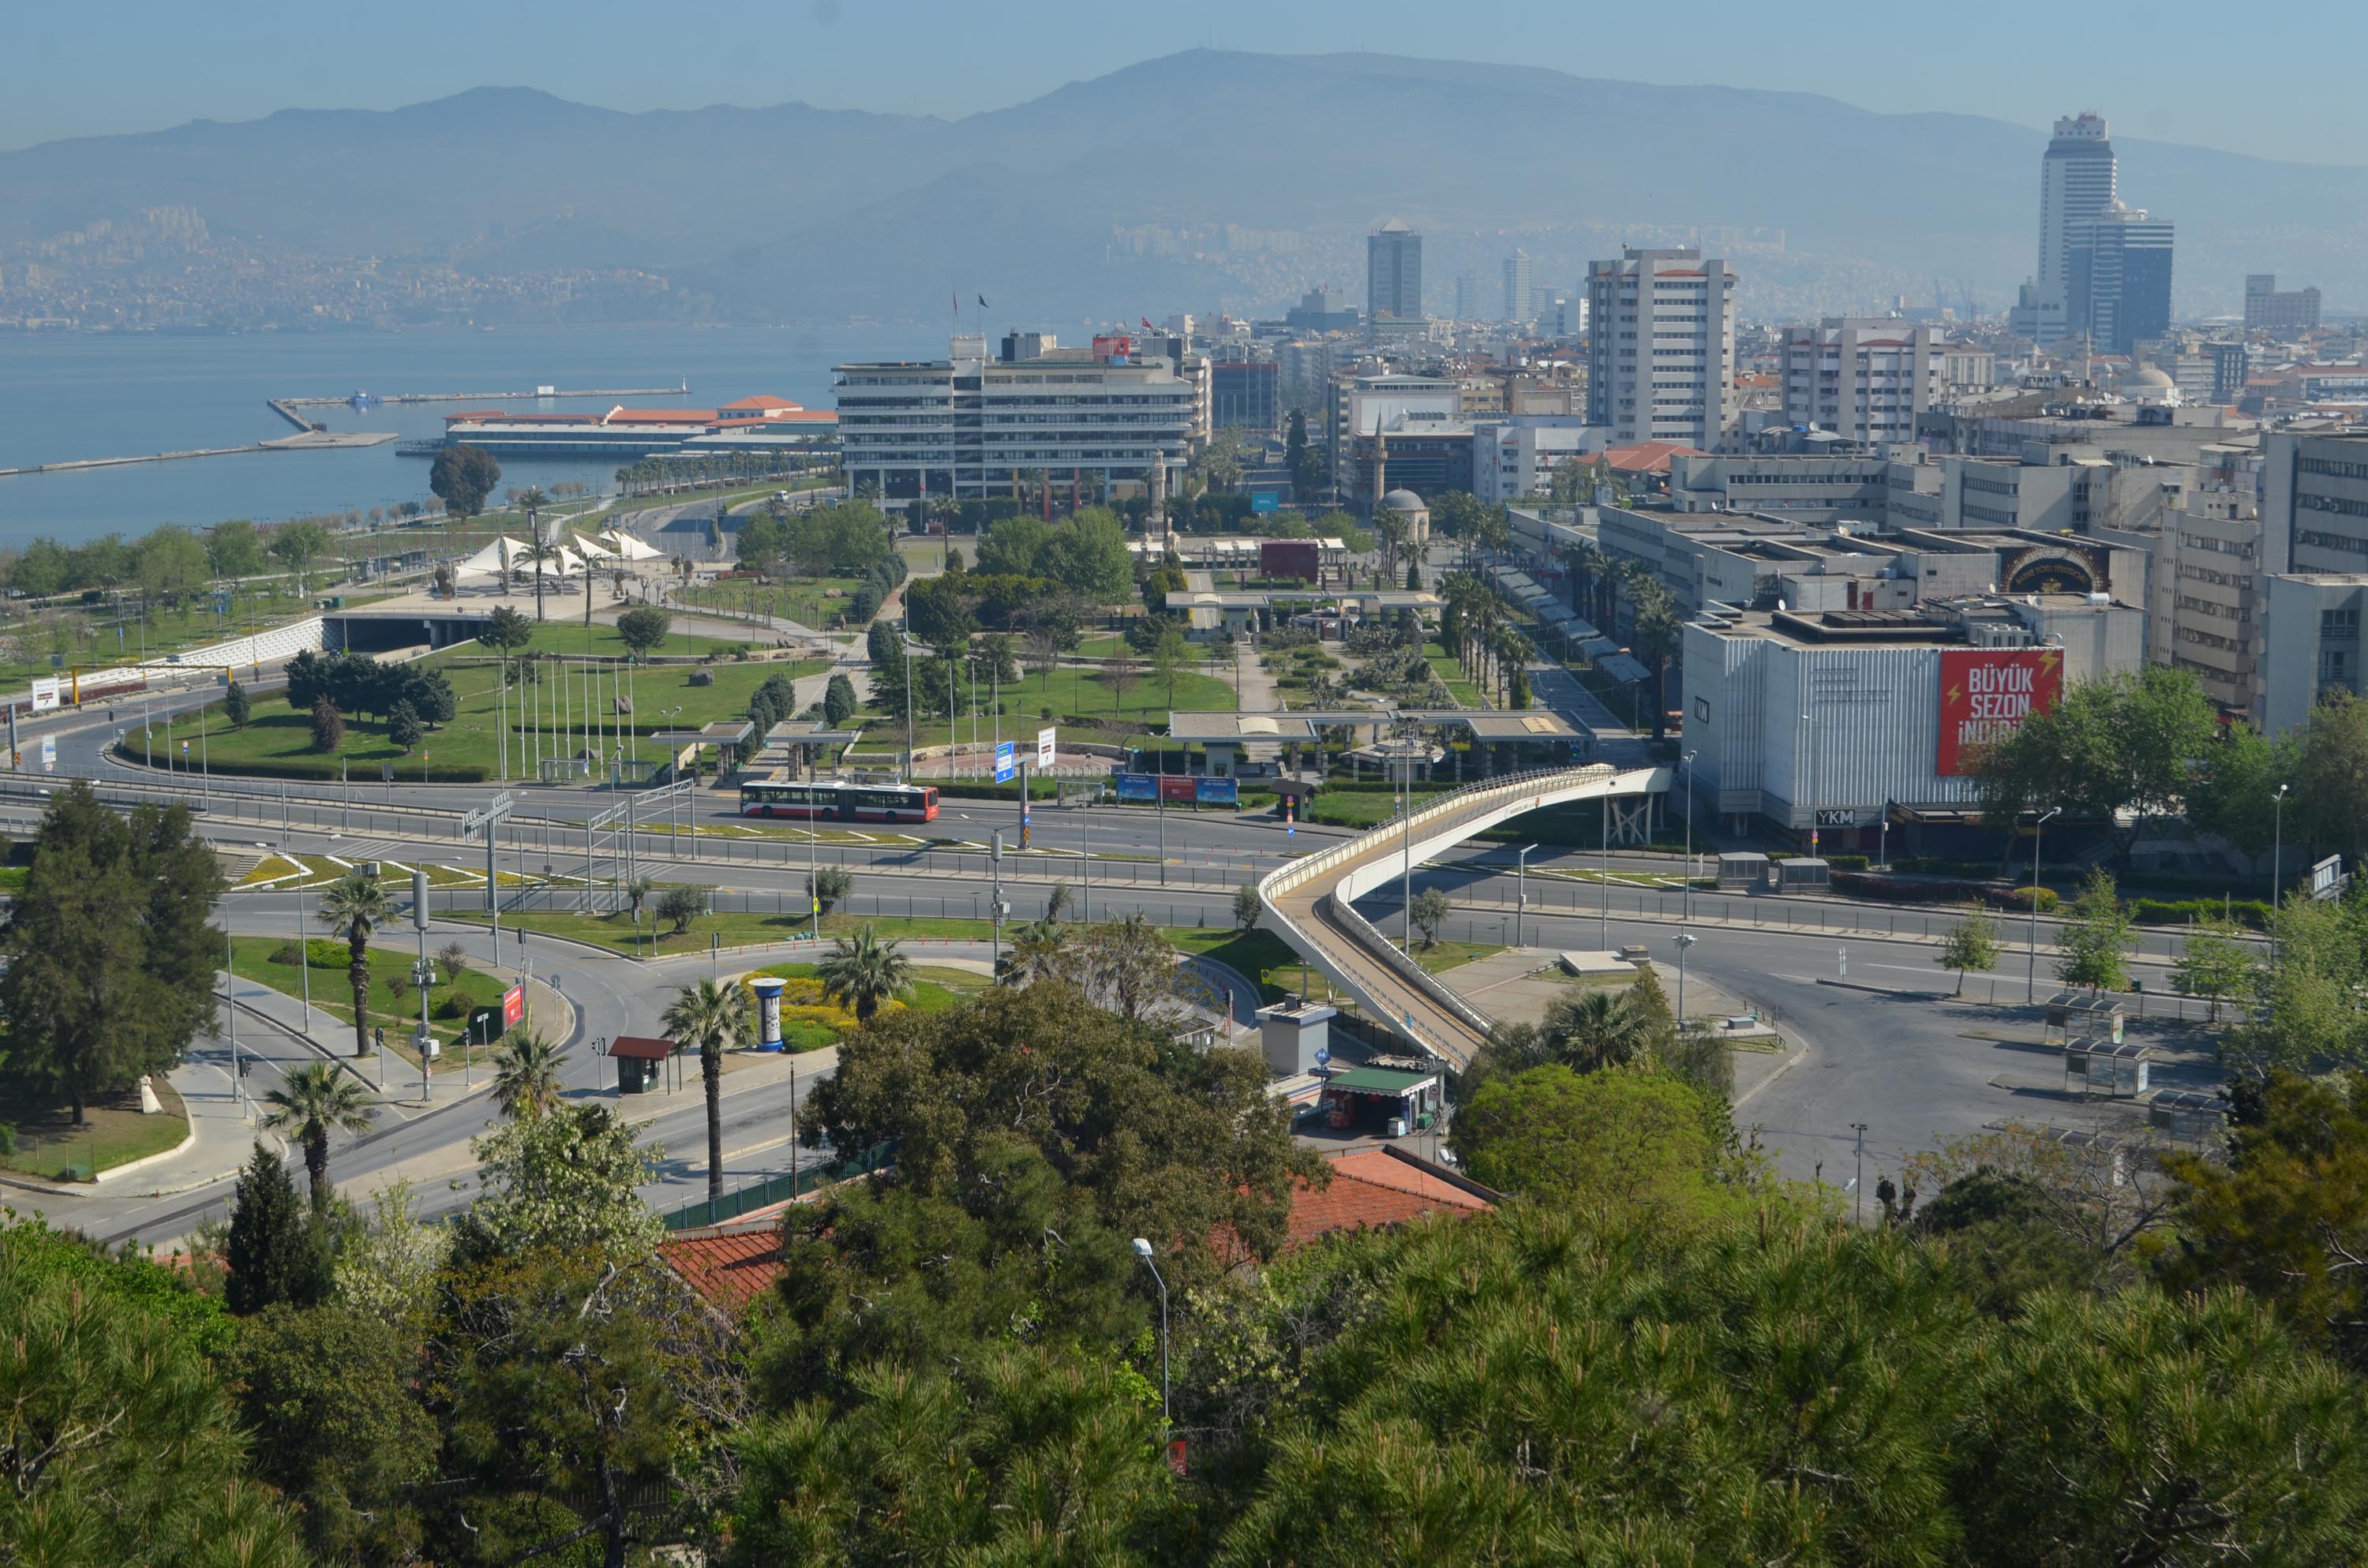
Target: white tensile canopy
(594, 550)
(630, 548)
(494, 559)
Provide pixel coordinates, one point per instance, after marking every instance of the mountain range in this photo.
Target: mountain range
(1110, 196)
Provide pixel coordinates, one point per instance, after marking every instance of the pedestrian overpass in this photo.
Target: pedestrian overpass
(1311, 901)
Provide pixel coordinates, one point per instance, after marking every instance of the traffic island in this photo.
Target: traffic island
(49, 1153)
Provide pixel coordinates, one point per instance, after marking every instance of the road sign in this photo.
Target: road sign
(48, 753)
(386, 773)
(513, 1007)
(1323, 1055)
(1007, 763)
(1044, 738)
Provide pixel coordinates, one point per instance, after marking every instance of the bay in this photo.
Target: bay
(70, 396)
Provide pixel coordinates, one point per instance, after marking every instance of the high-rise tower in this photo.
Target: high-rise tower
(1394, 272)
(2076, 183)
(1518, 288)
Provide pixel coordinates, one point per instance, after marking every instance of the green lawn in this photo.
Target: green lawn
(51, 1147)
(252, 958)
(85, 636)
(1071, 699)
(1362, 808)
(277, 741)
(811, 601)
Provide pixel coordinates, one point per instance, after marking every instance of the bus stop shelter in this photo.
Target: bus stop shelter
(640, 1059)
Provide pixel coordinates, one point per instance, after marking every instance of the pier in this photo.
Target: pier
(311, 440)
(285, 404)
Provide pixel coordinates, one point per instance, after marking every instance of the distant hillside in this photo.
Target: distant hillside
(1102, 197)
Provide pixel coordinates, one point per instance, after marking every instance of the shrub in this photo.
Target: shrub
(2021, 898)
(1848, 862)
(702, 678)
(454, 1005)
(2251, 912)
(320, 953)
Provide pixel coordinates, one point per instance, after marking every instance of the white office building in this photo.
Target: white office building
(2076, 183)
(1865, 379)
(1095, 419)
(1517, 457)
(1661, 347)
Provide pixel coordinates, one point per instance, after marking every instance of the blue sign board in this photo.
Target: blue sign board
(1138, 787)
(1216, 793)
(1006, 767)
(1266, 501)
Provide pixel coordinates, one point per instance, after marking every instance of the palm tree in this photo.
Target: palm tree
(1040, 950)
(318, 1099)
(709, 1019)
(357, 905)
(865, 973)
(1594, 1030)
(538, 551)
(637, 889)
(526, 1075)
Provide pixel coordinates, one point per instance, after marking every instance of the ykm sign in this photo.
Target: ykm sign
(1986, 694)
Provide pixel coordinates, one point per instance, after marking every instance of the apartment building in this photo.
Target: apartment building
(1863, 377)
(1660, 347)
(2269, 309)
(1394, 273)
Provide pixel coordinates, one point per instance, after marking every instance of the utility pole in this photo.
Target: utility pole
(423, 974)
(994, 905)
(484, 822)
(1857, 1185)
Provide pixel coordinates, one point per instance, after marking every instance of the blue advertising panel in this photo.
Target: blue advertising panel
(1266, 501)
(1006, 767)
(1217, 792)
(1138, 786)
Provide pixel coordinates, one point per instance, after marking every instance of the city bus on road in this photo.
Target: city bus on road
(828, 800)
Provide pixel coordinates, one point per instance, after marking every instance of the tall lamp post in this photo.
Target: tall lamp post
(2277, 862)
(1688, 897)
(1684, 940)
(1857, 1185)
(1520, 889)
(2031, 971)
(1142, 1251)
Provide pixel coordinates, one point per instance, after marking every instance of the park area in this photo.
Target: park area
(570, 708)
(1088, 704)
(393, 1003)
(49, 1146)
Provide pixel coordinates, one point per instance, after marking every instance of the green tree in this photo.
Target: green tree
(277, 1252)
(356, 905)
(886, 649)
(1971, 945)
(1429, 911)
(117, 1443)
(505, 630)
(568, 1181)
(297, 545)
(1612, 1142)
(236, 706)
(233, 549)
(1247, 906)
(2125, 743)
(863, 972)
(2092, 945)
(461, 477)
(108, 960)
(526, 1075)
(2310, 1011)
(2216, 964)
(388, 1261)
(2331, 775)
(2232, 791)
(172, 567)
(2143, 1428)
(679, 906)
(328, 1394)
(1589, 1029)
(1088, 556)
(828, 886)
(318, 1100)
(838, 701)
(403, 730)
(710, 1020)
(1303, 462)
(328, 725)
(643, 629)
(1168, 657)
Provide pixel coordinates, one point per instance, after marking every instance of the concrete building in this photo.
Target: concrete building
(2206, 614)
(1320, 310)
(1394, 272)
(1246, 395)
(2266, 310)
(1967, 367)
(1517, 457)
(1660, 347)
(2314, 503)
(966, 426)
(2117, 292)
(2077, 179)
(1838, 721)
(2314, 645)
(1518, 287)
(1419, 418)
(1864, 378)
(1467, 297)
(1810, 489)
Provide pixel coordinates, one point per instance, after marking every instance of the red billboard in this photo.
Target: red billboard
(1299, 558)
(1986, 694)
(513, 1007)
(1180, 788)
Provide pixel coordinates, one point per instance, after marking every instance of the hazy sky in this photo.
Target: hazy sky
(2278, 81)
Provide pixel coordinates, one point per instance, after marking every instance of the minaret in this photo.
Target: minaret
(1380, 463)
(1156, 518)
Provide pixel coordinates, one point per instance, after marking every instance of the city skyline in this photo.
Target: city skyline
(168, 67)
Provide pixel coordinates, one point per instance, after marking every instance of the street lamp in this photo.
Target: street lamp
(2030, 972)
(1808, 764)
(1688, 896)
(1522, 888)
(1858, 1187)
(1684, 940)
(1142, 1251)
(2277, 862)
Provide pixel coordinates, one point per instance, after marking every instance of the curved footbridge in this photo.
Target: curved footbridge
(1311, 901)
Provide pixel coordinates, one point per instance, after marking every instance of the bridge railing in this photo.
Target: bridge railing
(1454, 804)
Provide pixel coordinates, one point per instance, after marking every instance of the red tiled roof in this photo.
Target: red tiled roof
(1650, 457)
(758, 404)
(1373, 1187)
(641, 1048)
(729, 1266)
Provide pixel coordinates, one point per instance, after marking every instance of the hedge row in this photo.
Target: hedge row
(2251, 912)
(325, 770)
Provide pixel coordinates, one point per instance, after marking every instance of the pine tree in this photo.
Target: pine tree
(404, 728)
(328, 725)
(276, 1255)
(236, 707)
